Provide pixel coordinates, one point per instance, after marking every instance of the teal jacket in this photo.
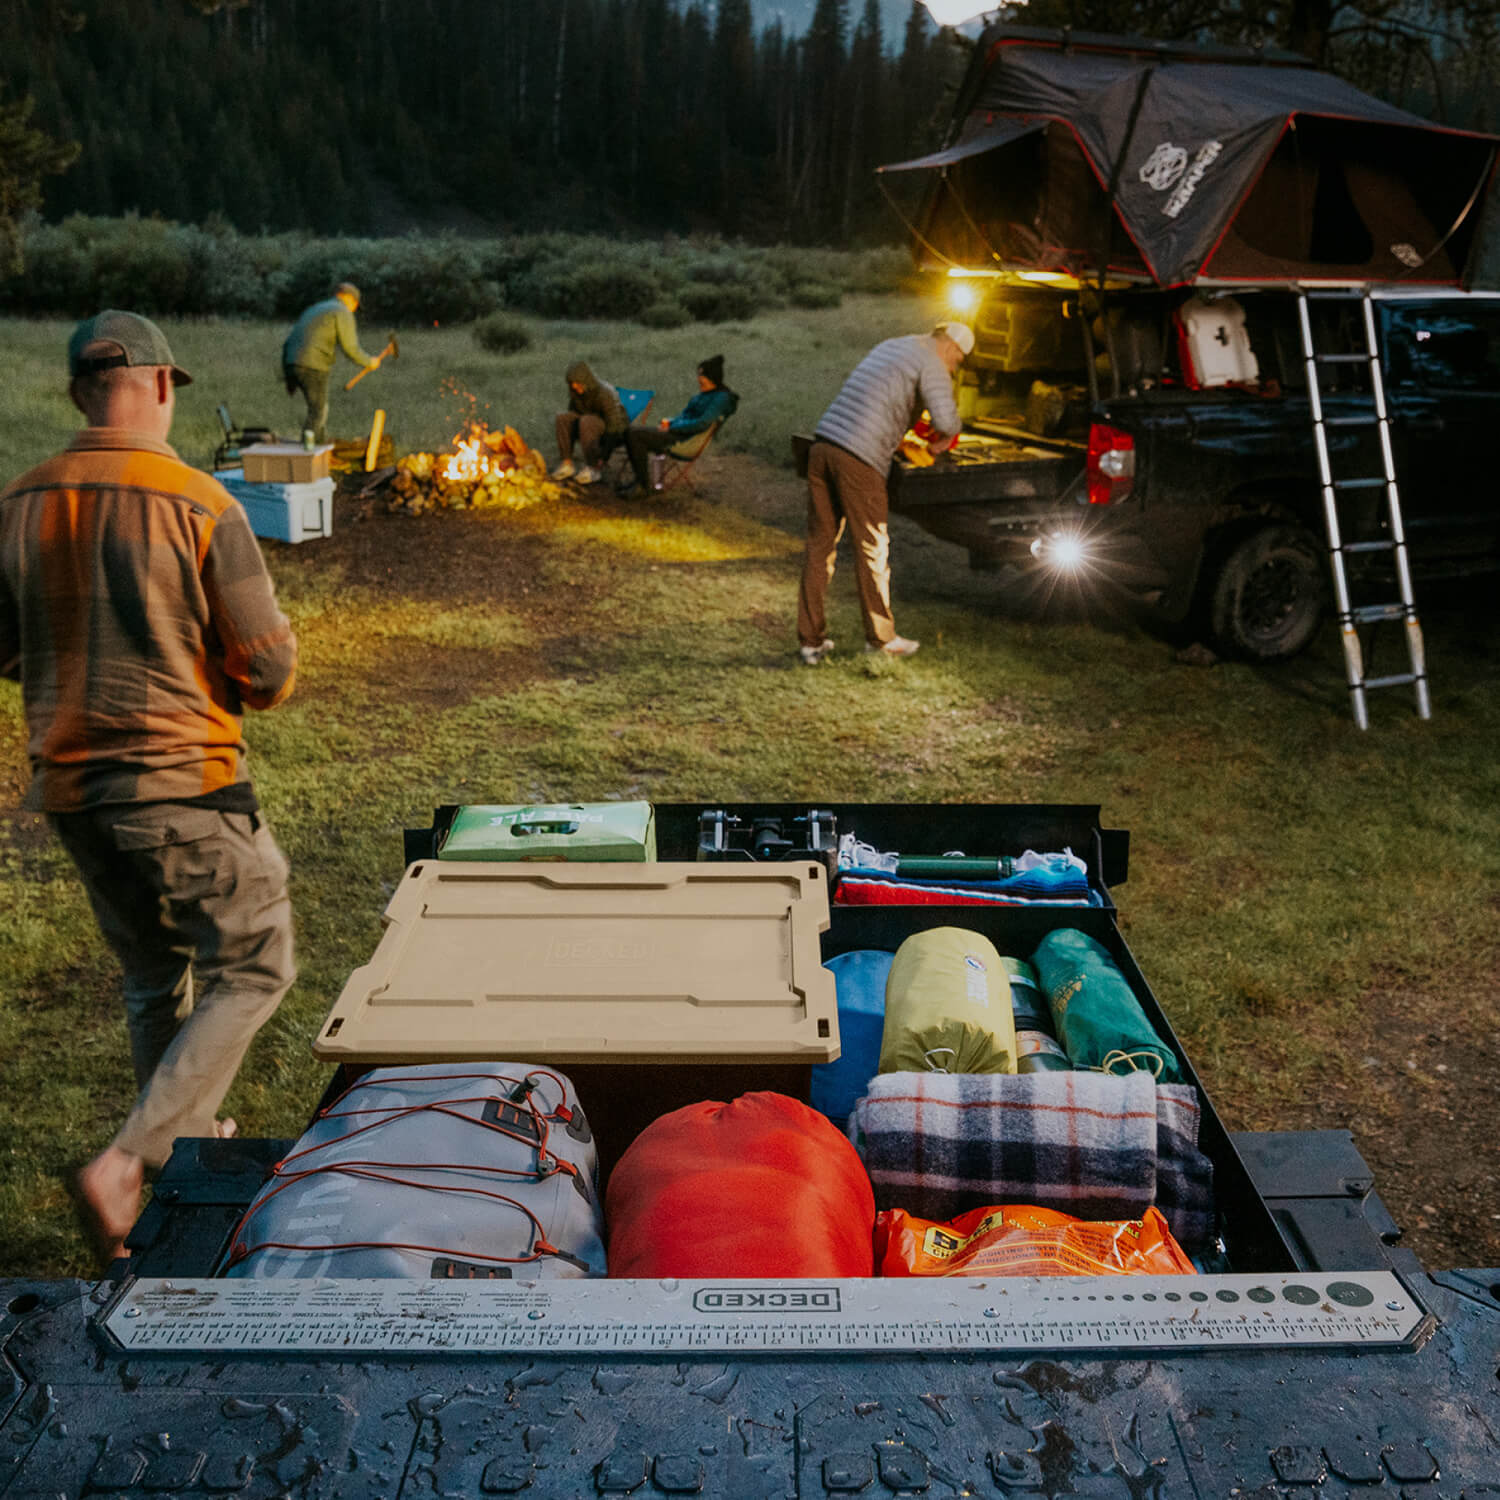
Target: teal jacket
(706, 408)
(318, 335)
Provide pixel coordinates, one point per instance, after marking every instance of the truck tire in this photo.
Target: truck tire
(1268, 594)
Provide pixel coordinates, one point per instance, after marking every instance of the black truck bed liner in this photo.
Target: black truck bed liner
(1216, 1394)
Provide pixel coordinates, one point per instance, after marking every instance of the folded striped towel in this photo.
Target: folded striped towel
(1087, 1144)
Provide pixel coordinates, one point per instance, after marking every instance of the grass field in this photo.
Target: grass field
(1287, 872)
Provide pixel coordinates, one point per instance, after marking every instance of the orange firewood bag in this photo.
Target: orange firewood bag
(1024, 1241)
(761, 1186)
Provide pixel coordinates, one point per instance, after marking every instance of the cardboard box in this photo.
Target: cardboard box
(285, 463)
(283, 512)
(604, 831)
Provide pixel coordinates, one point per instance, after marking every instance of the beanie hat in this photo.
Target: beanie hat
(712, 369)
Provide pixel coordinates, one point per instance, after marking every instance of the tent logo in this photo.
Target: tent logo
(1164, 166)
(1208, 153)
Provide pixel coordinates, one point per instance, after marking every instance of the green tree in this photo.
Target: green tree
(27, 155)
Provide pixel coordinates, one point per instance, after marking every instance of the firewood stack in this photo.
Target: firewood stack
(490, 468)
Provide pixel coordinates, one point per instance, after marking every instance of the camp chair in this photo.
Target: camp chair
(676, 464)
(637, 403)
(227, 454)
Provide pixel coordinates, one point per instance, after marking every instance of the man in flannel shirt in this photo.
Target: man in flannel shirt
(138, 616)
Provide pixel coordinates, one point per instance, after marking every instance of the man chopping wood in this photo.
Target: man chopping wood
(311, 347)
(137, 614)
(855, 440)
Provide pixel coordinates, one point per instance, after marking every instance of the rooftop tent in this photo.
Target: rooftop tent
(1179, 163)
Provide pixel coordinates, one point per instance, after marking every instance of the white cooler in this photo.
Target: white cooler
(283, 512)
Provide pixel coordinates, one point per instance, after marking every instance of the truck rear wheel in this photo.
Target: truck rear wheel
(1268, 594)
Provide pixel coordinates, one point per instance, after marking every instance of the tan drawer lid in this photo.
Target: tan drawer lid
(572, 963)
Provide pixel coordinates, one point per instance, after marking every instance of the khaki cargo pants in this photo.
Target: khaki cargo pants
(183, 893)
(841, 490)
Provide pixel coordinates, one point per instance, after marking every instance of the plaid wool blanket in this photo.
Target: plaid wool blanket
(1086, 1144)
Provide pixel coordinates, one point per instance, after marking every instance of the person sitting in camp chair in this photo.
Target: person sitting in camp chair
(595, 420)
(713, 403)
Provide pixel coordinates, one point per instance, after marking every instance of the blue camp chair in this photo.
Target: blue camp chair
(637, 403)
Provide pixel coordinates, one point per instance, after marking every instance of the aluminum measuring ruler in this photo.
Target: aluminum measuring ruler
(1126, 1315)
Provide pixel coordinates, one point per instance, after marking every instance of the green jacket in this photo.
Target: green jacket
(318, 335)
(598, 398)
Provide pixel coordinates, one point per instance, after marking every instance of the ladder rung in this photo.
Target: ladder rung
(1360, 484)
(1343, 359)
(1370, 420)
(1397, 681)
(1383, 546)
(1367, 614)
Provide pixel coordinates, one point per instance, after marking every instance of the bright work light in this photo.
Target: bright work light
(1063, 551)
(961, 298)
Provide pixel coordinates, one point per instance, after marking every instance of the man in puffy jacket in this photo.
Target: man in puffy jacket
(595, 420)
(713, 403)
(137, 614)
(310, 349)
(855, 440)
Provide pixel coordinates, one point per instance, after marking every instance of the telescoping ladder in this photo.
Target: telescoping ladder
(1394, 540)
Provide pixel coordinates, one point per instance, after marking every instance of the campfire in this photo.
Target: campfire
(489, 467)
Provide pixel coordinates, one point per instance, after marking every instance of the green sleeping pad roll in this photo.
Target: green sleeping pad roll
(1099, 1021)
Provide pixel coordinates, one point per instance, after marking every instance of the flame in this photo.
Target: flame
(469, 463)
(481, 451)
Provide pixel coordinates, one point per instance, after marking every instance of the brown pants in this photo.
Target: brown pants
(587, 430)
(179, 890)
(841, 489)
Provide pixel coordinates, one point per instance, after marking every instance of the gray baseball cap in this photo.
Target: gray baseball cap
(137, 341)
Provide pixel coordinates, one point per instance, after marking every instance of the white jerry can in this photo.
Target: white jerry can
(1216, 341)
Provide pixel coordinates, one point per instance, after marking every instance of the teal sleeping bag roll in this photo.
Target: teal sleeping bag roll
(1099, 1021)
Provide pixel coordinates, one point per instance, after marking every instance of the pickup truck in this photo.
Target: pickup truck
(1098, 440)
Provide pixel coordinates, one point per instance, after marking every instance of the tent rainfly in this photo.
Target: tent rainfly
(1090, 155)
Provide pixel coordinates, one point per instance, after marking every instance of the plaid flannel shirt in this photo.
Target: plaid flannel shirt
(138, 616)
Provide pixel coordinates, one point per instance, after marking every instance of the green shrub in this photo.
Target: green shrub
(815, 294)
(597, 291)
(502, 334)
(720, 303)
(667, 313)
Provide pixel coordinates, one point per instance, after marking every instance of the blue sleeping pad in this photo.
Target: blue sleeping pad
(859, 980)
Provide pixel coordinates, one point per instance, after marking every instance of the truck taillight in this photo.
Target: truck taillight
(1111, 465)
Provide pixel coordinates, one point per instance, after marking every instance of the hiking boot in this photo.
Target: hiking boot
(812, 655)
(898, 645)
(587, 475)
(564, 470)
(629, 490)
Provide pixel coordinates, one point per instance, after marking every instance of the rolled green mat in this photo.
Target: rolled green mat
(1099, 1021)
(954, 867)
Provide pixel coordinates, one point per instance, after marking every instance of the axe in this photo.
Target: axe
(390, 350)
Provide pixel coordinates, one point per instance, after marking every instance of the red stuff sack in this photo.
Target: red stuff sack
(762, 1186)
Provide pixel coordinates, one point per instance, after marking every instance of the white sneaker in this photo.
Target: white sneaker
(812, 655)
(564, 470)
(587, 475)
(898, 645)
